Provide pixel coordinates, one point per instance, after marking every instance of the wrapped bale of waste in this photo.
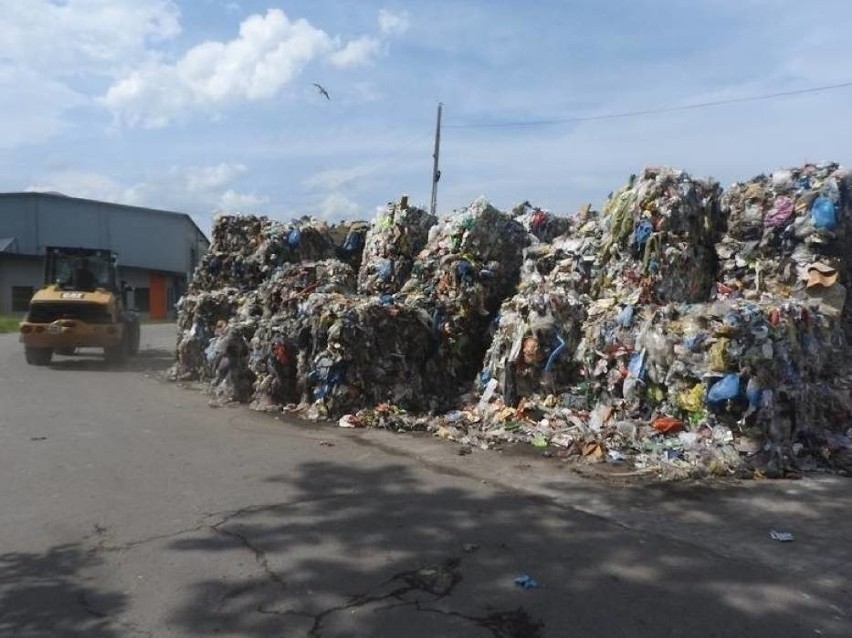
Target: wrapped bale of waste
(470, 264)
(706, 372)
(537, 329)
(540, 223)
(227, 355)
(787, 236)
(290, 283)
(364, 352)
(477, 244)
(284, 310)
(200, 314)
(246, 248)
(395, 238)
(278, 361)
(660, 231)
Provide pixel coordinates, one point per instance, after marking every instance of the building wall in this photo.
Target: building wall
(143, 238)
(18, 270)
(157, 250)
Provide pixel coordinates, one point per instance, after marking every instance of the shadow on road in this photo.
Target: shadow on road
(48, 595)
(148, 360)
(376, 553)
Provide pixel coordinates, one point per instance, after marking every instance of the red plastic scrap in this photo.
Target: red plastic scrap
(667, 424)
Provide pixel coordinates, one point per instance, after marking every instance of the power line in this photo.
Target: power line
(667, 109)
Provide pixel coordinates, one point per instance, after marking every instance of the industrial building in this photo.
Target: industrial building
(157, 250)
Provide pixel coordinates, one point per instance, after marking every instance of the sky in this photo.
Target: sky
(202, 106)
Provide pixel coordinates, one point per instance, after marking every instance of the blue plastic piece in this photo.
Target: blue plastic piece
(384, 269)
(725, 389)
(693, 342)
(526, 582)
(642, 232)
(625, 317)
(824, 213)
(294, 237)
(464, 271)
(754, 393)
(636, 367)
(557, 352)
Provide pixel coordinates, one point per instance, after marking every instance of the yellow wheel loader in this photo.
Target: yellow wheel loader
(81, 305)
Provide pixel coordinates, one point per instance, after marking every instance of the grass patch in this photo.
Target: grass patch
(9, 324)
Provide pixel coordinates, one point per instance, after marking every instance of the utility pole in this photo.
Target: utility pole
(436, 173)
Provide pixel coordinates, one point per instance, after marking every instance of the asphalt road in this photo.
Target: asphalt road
(132, 508)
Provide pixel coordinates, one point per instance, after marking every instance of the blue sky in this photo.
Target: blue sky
(209, 105)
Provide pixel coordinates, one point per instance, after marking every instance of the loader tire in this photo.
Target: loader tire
(38, 356)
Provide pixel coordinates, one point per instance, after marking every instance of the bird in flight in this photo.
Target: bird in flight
(322, 90)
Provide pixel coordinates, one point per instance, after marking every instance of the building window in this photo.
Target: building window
(21, 296)
(143, 299)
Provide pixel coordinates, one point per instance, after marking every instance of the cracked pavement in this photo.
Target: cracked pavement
(130, 508)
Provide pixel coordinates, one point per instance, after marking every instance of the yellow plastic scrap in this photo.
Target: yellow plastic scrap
(692, 400)
(719, 355)
(656, 394)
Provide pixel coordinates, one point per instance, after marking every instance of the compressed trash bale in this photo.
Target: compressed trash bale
(396, 236)
(470, 264)
(289, 283)
(660, 232)
(477, 244)
(277, 362)
(246, 248)
(533, 346)
(199, 315)
(227, 356)
(365, 352)
(537, 329)
(780, 229)
(540, 223)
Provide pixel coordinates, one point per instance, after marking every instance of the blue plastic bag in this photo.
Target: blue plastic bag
(725, 389)
(294, 237)
(636, 367)
(642, 232)
(824, 213)
(625, 317)
(754, 393)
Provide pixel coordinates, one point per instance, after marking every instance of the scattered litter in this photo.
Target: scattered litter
(526, 582)
(783, 537)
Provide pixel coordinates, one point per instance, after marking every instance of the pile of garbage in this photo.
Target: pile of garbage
(682, 329)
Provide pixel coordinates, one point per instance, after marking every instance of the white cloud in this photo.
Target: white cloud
(269, 53)
(83, 36)
(337, 206)
(206, 178)
(337, 178)
(356, 53)
(194, 189)
(393, 23)
(232, 201)
(32, 107)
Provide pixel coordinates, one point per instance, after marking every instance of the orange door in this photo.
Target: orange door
(157, 299)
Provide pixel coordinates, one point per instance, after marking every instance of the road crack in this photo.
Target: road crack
(260, 555)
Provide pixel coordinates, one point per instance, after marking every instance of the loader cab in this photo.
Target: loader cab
(80, 269)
